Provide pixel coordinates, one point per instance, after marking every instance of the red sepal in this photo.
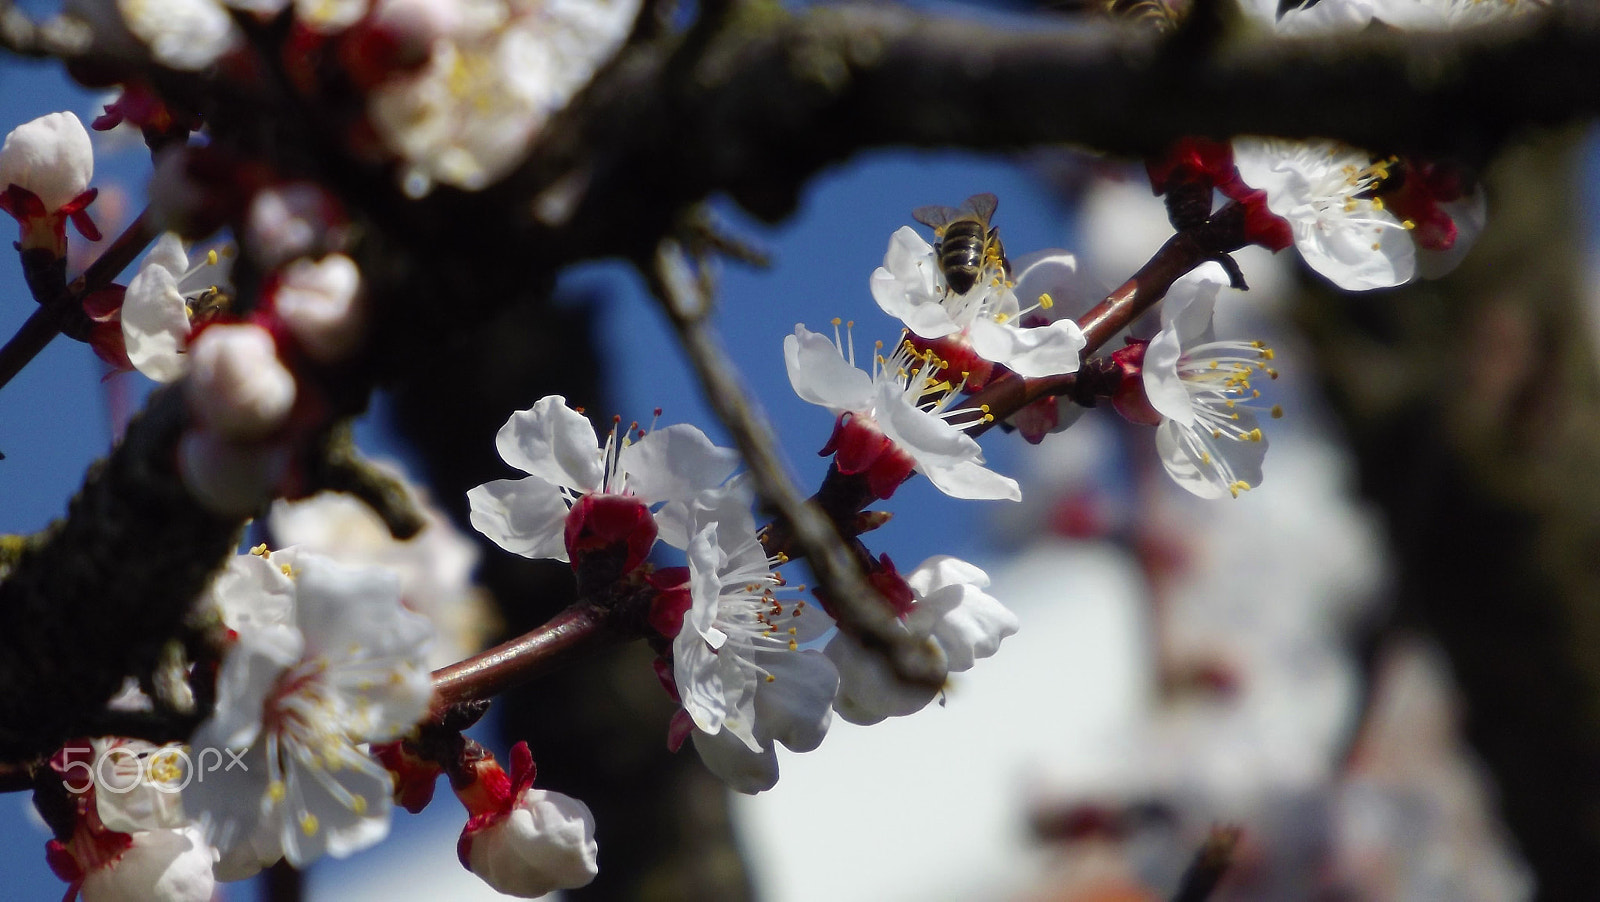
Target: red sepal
(672, 600)
(600, 522)
(1130, 399)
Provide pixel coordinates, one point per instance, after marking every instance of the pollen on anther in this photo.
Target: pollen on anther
(358, 805)
(260, 550)
(771, 678)
(309, 824)
(1277, 411)
(276, 790)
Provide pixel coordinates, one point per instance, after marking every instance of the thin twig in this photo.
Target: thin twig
(45, 323)
(572, 633)
(1209, 866)
(859, 608)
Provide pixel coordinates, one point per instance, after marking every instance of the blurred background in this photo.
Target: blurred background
(1383, 664)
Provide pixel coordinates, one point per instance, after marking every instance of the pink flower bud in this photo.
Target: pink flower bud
(237, 386)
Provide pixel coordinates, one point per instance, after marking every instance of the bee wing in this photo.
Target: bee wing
(935, 216)
(980, 206)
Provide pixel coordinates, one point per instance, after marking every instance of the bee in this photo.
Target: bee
(966, 246)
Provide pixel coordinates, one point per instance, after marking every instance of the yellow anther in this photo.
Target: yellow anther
(1205, 457)
(1408, 224)
(1253, 435)
(1045, 301)
(287, 571)
(276, 790)
(211, 257)
(1272, 373)
(793, 645)
(1268, 354)
(358, 805)
(260, 550)
(1277, 412)
(308, 824)
(771, 678)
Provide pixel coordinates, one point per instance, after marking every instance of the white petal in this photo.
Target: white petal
(797, 707)
(943, 570)
(155, 324)
(820, 374)
(1032, 353)
(676, 463)
(171, 865)
(967, 479)
(868, 689)
(742, 769)
(1208, 467)
(547, 843)
(50, 156)
(552, 441)
(249, 671)
(927, 438)
(967, 622)
(320, 303)
(1056, 273)
(907, 287)
(524, 516)
(169, 254)
(1358, 253)
(1162, 384)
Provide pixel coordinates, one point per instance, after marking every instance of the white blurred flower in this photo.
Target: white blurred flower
(182, 34)
(294, 699)
(1208, 439)
(987, 319)
(435, 566)
(491, 83)
(949, 606)
(566, 464)
(237, 386)
(736, 662)
(230, 478)
(320, 302)
(898, 410)
(162, 300)
(1324, 190)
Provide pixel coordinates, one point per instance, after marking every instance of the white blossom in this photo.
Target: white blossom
(297, 692)
(910, 286)
(902, 402)
(159, 305)
(565, 461)
(435, 566)
(736, 662)
(948, 606)
(320, 302)
(491, 83)
(1323, 188)
(182, 34)
(1208, 438)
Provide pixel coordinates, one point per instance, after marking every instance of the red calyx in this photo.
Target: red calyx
(492, 794)
(1422, 186)
(1192, 160)
(1130, 399)
(672, 600)
(414, 775)
(600, 522)
(859, 446)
